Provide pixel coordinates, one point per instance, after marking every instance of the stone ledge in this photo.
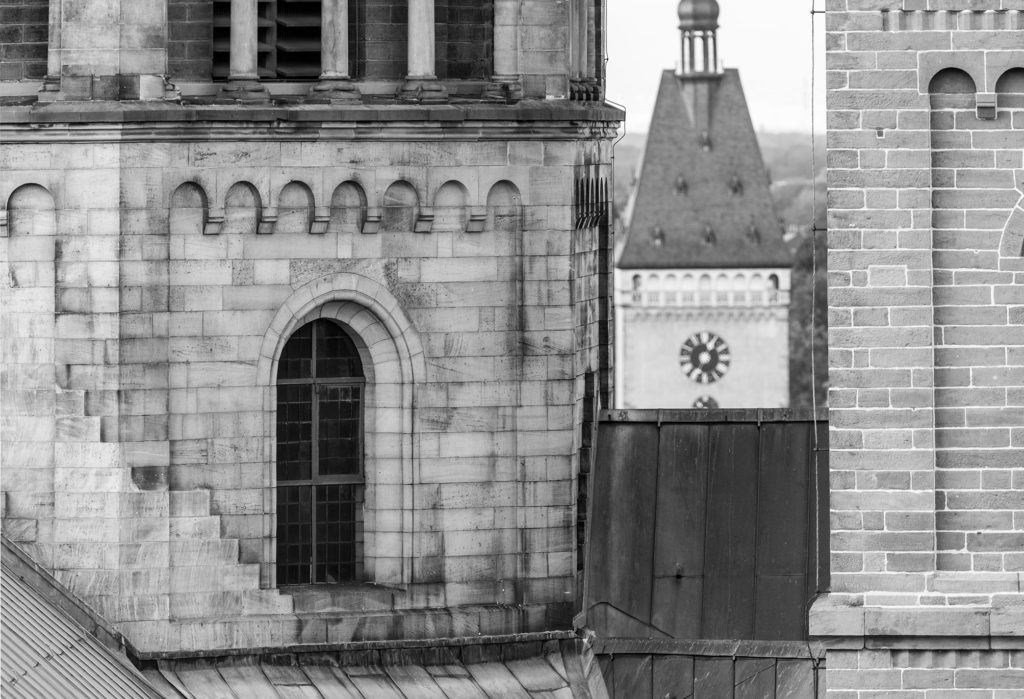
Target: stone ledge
(148, 112)
(757, 415)
(840, 624)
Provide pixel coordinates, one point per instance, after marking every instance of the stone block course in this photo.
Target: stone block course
(188, 402)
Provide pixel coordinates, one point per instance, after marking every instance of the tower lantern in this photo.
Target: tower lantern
(698, 22)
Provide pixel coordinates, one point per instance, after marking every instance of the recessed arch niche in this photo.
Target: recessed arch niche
(188, 211)
(242, 209)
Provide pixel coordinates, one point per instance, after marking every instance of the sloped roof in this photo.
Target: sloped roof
(47, 653)
(54, 646)
(484, 668)
(685, 189)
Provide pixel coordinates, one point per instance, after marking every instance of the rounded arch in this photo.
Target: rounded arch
(1010, 88)
(450, 213)
(343, 287)
(31, 211)
(1011, 80)
(756, 289)
(189, 207)
(722, 288)
(294, 208)
(653, 282)
(504, 204)
(348, 208)
(951, 67)
(400, 207)
(393, 362)
(243, 208)
(952, 88)
(952, 81)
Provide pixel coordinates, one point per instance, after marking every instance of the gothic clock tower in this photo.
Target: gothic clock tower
(702, 281)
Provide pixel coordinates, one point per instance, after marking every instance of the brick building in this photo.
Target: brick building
(926, 286)
(303, 312)
(702, 281)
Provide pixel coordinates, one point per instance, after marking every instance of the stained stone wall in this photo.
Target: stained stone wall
(147, 298)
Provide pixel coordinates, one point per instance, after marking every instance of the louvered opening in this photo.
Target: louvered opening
(298, 39)
(288, 39)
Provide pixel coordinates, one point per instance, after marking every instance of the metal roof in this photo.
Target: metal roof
(49, 655)
(560, 669)
(55, 647)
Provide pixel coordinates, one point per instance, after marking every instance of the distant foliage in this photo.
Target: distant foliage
(808, 317)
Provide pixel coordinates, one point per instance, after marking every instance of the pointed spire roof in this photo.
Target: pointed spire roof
(702, 198)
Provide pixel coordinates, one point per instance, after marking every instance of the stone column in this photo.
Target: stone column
(506, 82)
(335, 82)
(243, 73)
(421, 84)
(51, 83)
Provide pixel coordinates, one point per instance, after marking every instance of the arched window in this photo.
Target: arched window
(320, 387)
(638, 283)
(772, 287)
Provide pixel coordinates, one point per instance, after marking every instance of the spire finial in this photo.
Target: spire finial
(698, 22)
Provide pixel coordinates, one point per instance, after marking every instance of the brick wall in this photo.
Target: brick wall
(24, 26)
(925, 352)
(926, 140)
(189, 39)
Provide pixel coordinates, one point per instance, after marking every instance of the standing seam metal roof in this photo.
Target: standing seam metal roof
(48, 655)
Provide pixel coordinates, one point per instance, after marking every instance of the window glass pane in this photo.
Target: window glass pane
(297, 356)
(337, 548)
(294, 432)
(338, 429)
(336, 354)
(294, 534)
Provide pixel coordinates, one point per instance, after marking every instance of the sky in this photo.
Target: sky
(769, 41)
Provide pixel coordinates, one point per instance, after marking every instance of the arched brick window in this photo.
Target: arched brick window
(320, 486)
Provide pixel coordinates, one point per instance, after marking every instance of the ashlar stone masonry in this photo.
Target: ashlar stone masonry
(159, 253)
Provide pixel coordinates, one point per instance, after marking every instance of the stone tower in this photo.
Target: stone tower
(302, 312)
(703, 279)
(926, 285)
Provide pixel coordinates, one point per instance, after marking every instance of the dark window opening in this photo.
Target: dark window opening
(378, 38)
(320, 490)
(463, 39)
(287, 40)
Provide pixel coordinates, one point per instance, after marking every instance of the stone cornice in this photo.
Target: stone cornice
(140, 121)
(844, 626)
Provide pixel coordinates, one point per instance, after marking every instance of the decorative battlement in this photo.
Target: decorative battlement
(988, 19)
(727, 289)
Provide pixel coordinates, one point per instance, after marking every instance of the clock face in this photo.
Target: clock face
(705, 357)
(705, 402)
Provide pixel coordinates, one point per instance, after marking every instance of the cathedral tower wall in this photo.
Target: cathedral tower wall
(925, 182)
